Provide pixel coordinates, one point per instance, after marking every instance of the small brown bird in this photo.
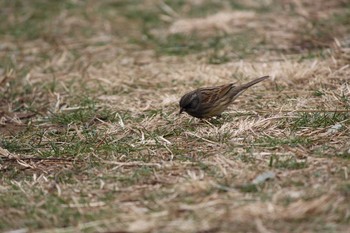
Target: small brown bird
(212, 101)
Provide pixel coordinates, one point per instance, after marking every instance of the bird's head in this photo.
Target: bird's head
(189, 102)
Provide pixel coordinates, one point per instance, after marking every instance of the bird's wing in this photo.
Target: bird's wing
(212, 94)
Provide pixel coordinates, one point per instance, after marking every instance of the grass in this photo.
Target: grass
(289, 163)
(90, 138)
(319, 119)
(277, 142)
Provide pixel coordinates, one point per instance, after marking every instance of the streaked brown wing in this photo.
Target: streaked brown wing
(212, 94)
(214, 100)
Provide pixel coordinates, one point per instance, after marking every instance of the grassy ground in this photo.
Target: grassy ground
(90, 139)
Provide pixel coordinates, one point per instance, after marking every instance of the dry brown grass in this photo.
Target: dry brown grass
(90, 139)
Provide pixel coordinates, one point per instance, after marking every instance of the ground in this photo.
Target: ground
(91, 139)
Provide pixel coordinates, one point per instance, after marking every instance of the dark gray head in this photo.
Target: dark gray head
(189, 102)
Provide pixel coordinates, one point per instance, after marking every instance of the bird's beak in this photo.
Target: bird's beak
(181, 110)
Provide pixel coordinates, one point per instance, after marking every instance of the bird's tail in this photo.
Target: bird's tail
(237, 91)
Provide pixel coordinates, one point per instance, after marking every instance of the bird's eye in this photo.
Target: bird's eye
(193, 103)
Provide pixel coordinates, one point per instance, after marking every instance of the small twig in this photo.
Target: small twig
(38, 159)
(204, 139)
(127, 164)
(85, 205)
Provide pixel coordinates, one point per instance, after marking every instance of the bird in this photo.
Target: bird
(208, 102)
